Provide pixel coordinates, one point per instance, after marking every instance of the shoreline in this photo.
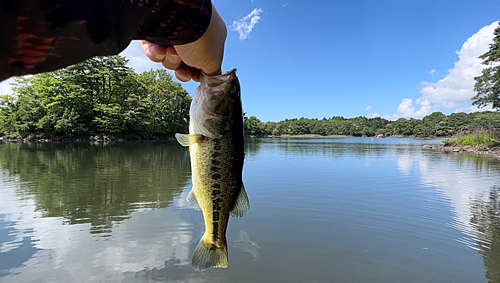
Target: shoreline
(113, 139)
(81, 139)
(492, 152)
(344, 136)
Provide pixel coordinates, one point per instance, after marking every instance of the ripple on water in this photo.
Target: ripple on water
(324, 211)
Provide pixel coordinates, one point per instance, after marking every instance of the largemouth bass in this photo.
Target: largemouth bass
(216, 148)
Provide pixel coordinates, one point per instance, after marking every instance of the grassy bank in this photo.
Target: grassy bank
(478, 137)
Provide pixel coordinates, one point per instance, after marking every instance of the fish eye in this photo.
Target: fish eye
(232, 95)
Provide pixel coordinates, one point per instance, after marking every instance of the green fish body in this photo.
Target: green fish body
(216, 146)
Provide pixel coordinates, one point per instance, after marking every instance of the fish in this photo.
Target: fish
(216, 149)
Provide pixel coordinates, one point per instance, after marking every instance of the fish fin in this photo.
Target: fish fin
(187, 140)
(208, 255)
(242, 205)
(192, 197)
(211, 129)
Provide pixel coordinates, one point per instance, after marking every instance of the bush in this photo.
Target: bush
(478, 137)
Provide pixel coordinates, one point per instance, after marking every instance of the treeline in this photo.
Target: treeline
(100, 97)
(103, 98)
(435, 124)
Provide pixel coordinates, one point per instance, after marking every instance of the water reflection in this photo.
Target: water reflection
(485, 219)
(44, 187)
(246, 245)
(87, 184)
(252, 146)
(475, 202)
(145, 241)
(405, 160)
(324, 211)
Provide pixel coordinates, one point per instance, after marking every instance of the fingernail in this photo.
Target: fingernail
(173, 59)
(182, 78)
(159, 56)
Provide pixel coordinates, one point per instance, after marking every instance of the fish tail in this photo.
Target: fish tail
(208, 255)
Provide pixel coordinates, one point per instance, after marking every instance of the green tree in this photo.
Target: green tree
(168, 103)
(487, 85)
(101, 96)
(7, 107)
(253, 126)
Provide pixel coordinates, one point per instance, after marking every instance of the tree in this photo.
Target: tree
(167, 101)
(253, 126)
(487, 85)
(7, 107)
(97, 97)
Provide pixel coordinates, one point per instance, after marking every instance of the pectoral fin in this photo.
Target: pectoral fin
(242, 205)
(187, 140)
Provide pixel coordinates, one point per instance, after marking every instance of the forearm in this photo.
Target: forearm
(40, 36)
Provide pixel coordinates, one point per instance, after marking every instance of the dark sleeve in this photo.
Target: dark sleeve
(45, 35)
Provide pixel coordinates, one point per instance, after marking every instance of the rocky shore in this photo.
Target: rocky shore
(486, 151)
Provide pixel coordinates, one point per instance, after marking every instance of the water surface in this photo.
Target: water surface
(322, 210)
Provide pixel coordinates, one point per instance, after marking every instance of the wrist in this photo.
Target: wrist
(206, 53)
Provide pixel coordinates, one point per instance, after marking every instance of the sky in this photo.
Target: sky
(381, 58)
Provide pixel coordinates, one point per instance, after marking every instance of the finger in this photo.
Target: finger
(183, 73)
(155, 52)
(195, 75)
(172, 61)
(172, 56)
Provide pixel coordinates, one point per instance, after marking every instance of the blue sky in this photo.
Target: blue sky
(320, 59)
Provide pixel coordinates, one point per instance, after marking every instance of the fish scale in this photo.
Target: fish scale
(218, 186)
(216, 146)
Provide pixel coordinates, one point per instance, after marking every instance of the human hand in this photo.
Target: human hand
(205, 54)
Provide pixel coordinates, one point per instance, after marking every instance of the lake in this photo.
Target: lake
(322, 210)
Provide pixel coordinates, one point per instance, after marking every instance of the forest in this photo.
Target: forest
(98, 98)
(102, 98)
(436, 124)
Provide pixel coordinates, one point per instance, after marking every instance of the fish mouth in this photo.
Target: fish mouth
(213, 86)
(204, 107)
(217, 83)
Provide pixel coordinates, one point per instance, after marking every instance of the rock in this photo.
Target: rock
(380, 136)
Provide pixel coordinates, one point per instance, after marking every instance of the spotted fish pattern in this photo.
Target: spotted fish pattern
(216, 146)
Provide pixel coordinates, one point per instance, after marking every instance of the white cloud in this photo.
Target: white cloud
(474, 109)
(371, 115)
(432, 72)
(284, 5)
(245, 25)
(389, 117)
(457, 87)
(5, 87)
(406, 109)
